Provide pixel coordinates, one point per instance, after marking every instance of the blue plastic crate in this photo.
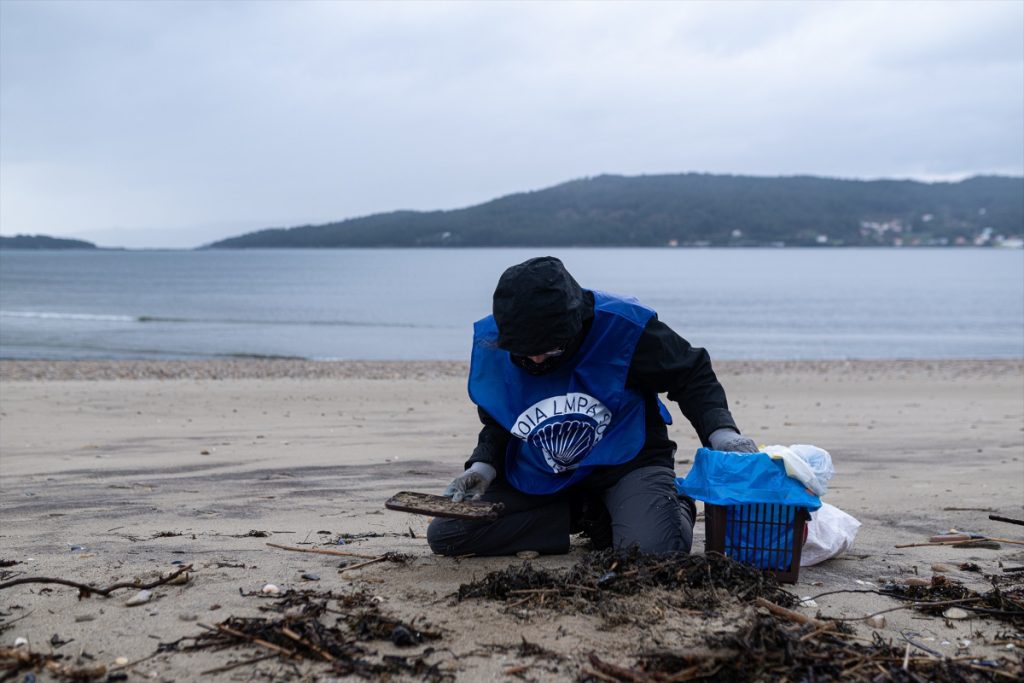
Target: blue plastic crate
(764, 535)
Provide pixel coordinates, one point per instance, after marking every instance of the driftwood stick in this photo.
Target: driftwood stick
(301, 641)
(80, 673)
(957, 543)
(791, 615)
(994, 672)
(321, 551)
(25, 656)
(919, 646)
(910, 605)
(816, 632)
(87, 590)
(997, 518)
(363, 564)
(229, 667)
(619, 672)
(597, 674)
(254, 640)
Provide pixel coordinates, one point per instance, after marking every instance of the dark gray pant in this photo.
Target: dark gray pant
(643, 506)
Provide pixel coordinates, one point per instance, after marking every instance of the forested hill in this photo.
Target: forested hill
(42, 242)
(694, 210)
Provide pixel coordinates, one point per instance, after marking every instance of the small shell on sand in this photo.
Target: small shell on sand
(271, 589)
(140, 598)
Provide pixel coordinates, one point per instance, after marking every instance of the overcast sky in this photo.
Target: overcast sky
(174, 124)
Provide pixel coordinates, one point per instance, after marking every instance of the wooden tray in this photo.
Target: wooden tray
(439, 506)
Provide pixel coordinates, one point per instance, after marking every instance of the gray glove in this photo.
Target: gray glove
(472, 483)
(731, 441)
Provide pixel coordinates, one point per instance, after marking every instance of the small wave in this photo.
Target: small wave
(259, 356)
(79, 351)
(104, 317)
(284, 322)
(48, 315)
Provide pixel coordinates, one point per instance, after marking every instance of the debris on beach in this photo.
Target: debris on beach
(765, 649)
(17, 660)
(538, 658)
(877, 621)
(299, 631)
(394, 557)
(1005, 602)
(705, 581)
(140, 598)
(440, 506)
(85, 590)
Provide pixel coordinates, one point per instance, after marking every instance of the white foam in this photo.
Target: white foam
(49, 315)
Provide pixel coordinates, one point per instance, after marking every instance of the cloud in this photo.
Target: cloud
(175, 115)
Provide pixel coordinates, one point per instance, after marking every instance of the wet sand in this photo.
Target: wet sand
(114, 470)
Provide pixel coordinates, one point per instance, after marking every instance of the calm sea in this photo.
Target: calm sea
(420, 304)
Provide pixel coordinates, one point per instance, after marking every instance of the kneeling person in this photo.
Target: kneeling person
(574, 437)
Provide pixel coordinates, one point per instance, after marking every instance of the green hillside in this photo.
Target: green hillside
(693, 210)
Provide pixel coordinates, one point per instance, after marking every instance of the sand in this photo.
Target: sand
(114, 470)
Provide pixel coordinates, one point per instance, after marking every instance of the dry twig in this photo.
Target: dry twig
(791, 615)
(86, 590)
(322, 551)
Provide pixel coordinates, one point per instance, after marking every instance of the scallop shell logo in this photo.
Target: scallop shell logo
(564, 443)
(564, 428)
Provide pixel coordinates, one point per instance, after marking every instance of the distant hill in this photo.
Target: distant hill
(42, 242)
(693, 210)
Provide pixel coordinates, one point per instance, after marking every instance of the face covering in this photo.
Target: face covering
(554, 362)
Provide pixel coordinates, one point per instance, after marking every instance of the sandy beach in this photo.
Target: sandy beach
(115, 470)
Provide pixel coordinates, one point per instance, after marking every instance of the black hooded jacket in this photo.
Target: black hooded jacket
(538, 307)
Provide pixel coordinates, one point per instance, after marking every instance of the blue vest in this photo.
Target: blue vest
(575, 418)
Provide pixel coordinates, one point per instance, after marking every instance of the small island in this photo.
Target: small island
(40, 242)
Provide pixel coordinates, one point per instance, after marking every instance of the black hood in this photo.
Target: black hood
(538, 306)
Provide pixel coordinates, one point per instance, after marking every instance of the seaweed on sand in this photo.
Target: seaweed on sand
(766, 649)
(1004, 602)
(704, 580)
(303, 632)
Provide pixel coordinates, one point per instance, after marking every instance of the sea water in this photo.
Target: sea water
(421, 303)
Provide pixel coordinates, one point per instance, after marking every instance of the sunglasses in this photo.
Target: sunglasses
(549, 354)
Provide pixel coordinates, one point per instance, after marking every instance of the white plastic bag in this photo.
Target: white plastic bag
(820, 462)
(796, 467)
(829, 533)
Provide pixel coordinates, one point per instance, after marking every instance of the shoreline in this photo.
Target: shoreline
(17, 370)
